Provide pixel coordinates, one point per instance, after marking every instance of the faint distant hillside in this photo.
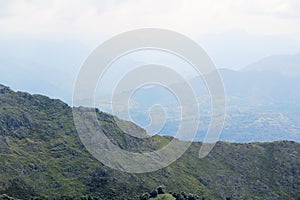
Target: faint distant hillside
(288, 65)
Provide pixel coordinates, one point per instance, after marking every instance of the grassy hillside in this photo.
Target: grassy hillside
(42, 156)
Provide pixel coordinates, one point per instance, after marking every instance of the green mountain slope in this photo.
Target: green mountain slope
(42, 156)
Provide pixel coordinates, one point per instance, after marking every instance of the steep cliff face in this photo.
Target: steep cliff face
(42, 156)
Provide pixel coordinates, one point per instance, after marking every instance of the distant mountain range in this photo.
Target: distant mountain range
(263, 102)
(42, 157)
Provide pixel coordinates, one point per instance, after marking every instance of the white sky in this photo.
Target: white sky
(88, 18)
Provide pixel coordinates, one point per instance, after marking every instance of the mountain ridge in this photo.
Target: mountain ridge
(41, 156)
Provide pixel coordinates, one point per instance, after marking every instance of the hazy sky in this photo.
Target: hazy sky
(265, 26)
(93, 18)
(50, 38)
